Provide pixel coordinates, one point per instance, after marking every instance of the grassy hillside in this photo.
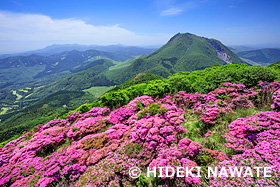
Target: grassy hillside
(97, 91)
(48, 108)
(86, 78)
(127, 62)
(261, 56)
(138, 79)
(275, 64)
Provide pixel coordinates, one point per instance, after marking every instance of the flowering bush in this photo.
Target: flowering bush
(270, 94)
(111, 171)
(213, 105)
(97, 148)
(276, 100)
(257, 140)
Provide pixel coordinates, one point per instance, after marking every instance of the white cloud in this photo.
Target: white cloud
(35, 29)
(171, 11)
(171, 7)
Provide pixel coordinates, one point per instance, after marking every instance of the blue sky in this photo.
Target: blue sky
(32, 24)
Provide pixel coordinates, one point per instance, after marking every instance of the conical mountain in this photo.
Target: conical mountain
(183, 52)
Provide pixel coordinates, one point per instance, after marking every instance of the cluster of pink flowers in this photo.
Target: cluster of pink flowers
(271, 93)
(235, 95)
(257, 140)
(269, 87)
(276, 100)
(120, 115)
(174, 157)
(218, 102)
(111, 171)
(97, 148)
(243, 133)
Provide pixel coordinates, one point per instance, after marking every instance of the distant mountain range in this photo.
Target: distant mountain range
(15, 71)
(237, 49)
(127, 51)
(262, 57)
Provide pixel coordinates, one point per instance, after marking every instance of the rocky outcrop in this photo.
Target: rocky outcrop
(220, 51)
(224, 56)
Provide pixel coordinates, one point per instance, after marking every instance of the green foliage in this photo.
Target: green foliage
(204, 81)
(75, 129)
(27, 137)
(133, 149)
(142, 181)
(137, 79)
(2, 144)
(136, 90)
(97, 91)
(84, 108)
(275, 65)
(179, 82)
(157, 88)
(115, 99)
(139, 105)
(152, 110)
(241, 113)
(204, 158)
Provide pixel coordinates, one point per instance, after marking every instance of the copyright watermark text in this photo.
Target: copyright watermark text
(169, 172)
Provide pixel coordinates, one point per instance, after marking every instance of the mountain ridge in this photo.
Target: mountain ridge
(263, 57)
(129, 51)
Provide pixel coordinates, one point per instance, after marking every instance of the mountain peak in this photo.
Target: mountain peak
(181, 35)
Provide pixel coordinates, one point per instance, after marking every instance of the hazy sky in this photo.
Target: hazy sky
(33, 24)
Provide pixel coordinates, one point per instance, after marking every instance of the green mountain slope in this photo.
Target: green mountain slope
(137, 79)
(275, 64)
(84, 79)
(183, 52)
(261, 56)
